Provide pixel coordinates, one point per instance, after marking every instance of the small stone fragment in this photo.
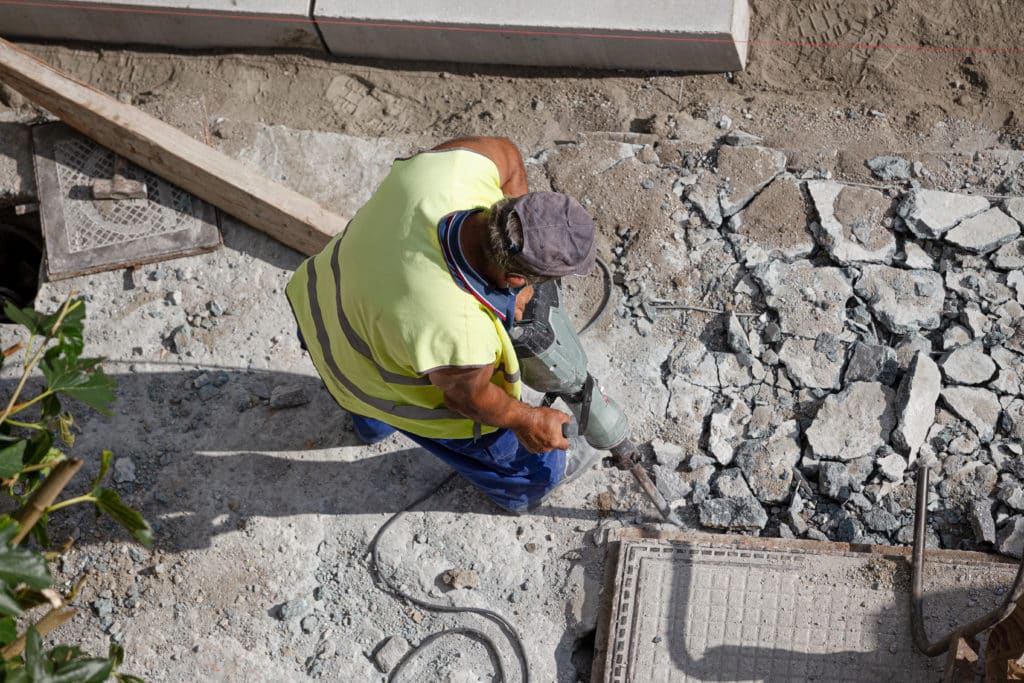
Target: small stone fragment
(854, 423)
(293, 609)
(904, 300)
(730, 484)
(892, 466)
(982, 521)
(834, 480)
(1010, 540)
(390, 653)
(179, 339)
(1010, 256)
(289, 396)
(733, 513)
(889, 168)
(739, 138)
(915, 404)
(871, 363)
(985, 232)
(978, 407)
(720, 436)
(124, 470)
(877, 519)
(968, 365)
(931, 213)
(460, 578)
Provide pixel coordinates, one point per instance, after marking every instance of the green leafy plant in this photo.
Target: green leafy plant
(33, 472)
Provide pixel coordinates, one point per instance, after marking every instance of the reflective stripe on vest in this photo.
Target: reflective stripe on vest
(323, 339)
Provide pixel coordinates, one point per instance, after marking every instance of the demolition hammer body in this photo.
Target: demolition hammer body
(552, 360)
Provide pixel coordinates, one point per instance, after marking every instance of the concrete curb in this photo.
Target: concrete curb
(668, 35)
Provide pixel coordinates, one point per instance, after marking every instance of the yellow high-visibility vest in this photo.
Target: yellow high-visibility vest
(379, 309)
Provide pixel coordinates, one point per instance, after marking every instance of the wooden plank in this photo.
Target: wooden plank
(284, 214)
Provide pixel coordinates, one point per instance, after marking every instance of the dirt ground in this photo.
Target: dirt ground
(258, 507)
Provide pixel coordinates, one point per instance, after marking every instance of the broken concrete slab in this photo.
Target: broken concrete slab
(915, 404)
(17, 176)
(916, 258)
(1015, 208)
(730, 484)
(968, 365)
(985, 232)
(733, 513)
(889, 168)
(1010, 540)
(808, 367)
(746, 171)
(982, 523)
(834, 480)
(808, 300)
(720, 435)
(768, 464)
(854, 222)
(978, 407)
(892, 466)
(774, 225)
(1013, 419)
(904, 300)
(931, 214)
(679, 36)
(1010, 256)
(854, 423)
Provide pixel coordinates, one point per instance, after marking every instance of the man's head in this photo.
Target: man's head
(540, 236)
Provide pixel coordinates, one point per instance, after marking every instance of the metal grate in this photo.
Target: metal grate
(83, 235)
(688, 611)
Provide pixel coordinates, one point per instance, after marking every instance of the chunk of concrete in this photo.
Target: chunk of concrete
(390, 653)
(982, 523)
(904, 300)
(978, 407)
(915, 404)
(686, 35)
(931, 214)
(808, 367)
(1015, 208)
(853, 220)
(768, 464)
(985, 232)
(207, 24)
(854, 423)
(916, 257)
(871, 363)
(1013, 419)
(968, 365)
(720, 436)
(889, 168)
(17, 173)
(834, 480)
(733, 513)
(730, 484)
(892, 466)
(808, 300)
(1010, 540)
(746, 171)
(1010, 256)
(774, 225)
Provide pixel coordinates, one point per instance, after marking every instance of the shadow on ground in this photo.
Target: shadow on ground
(209, 453)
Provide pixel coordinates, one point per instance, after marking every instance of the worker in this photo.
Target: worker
(406, 314)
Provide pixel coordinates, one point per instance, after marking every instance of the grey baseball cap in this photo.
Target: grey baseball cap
(558, 234)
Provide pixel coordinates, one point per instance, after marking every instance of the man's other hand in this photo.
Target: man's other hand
(523, 298)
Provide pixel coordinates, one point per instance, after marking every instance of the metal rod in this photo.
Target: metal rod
(933, 649)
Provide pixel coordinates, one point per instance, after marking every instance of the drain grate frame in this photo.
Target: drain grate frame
(681, 607)
(83, 235)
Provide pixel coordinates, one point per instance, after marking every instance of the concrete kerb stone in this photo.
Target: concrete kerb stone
(668, 35)
(203, 24)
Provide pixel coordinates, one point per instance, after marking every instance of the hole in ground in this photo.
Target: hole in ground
(583, 655)
(21, 236)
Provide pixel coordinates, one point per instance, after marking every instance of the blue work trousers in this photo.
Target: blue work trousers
(495, 463)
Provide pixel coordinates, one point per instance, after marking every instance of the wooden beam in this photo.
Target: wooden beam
(284, 214)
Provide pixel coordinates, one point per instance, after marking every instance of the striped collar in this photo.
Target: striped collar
(500, 302)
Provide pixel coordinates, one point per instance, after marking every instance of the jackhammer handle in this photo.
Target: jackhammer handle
(570, 429)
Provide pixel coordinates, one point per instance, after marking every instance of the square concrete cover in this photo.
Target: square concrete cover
(83, 235)
(183, 24)
(668, 35)
(720, 608)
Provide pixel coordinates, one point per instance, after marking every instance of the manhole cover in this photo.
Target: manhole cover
(84, 235)
(711, 609)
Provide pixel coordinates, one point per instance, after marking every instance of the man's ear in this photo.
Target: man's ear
(515, 281)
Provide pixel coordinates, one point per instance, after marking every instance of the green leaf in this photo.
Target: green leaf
(9, 607)
(106, 459)
(39, 447)
(50, 406)
(8, 630)
(26, 317)
(109, 502)
(23, 566)
(83, 671)
(116, 653)
(33, 660)
(15, 672)
(128, 678)
(93, 388)
(12, 459)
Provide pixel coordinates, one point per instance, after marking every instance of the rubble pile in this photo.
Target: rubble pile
(890, 332)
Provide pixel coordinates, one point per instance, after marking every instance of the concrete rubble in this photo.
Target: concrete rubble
(848, 335)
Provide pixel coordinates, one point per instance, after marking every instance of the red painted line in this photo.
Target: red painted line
(502, 31)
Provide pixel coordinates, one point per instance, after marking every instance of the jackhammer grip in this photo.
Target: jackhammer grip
(570, 429)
